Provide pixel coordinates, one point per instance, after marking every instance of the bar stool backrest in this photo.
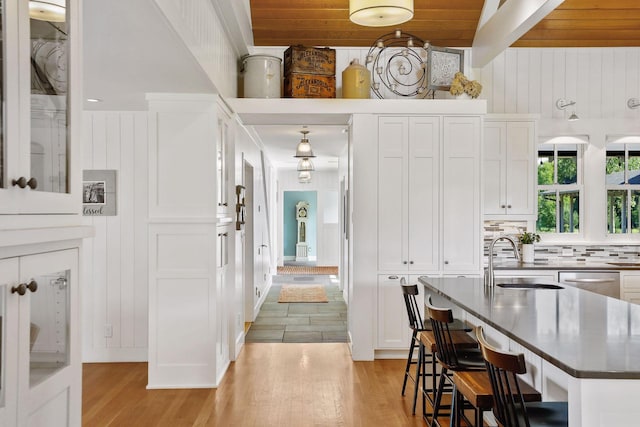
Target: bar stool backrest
(445, 349)
(502, 367)
(409, 292)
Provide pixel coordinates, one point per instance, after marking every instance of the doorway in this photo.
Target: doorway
(300, 228)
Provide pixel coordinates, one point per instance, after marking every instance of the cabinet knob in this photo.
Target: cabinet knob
(32, 286)
(393, 277)
(503, 206)
(410, 262)
(21, 289)
(446, 262)
(509, 206)
(404, 262)
(22, 182)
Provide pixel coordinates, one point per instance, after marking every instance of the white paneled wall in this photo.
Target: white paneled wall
(198, 25)
(115, 261)
(327, 184)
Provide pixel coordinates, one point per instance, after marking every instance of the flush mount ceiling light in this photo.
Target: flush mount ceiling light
(561, 104)
(305, 165)
(380, 13)
(633, 103)
(303, 150)
(48, 10)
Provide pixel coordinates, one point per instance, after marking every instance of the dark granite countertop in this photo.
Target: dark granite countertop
(585, 334)
(565, 265)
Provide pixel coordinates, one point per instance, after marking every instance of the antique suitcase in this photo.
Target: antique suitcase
(297, 85)
(310, 60)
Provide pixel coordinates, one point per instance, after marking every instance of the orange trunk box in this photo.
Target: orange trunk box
(298, 85)
(310, 60)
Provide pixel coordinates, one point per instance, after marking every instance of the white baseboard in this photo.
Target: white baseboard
(391, 354)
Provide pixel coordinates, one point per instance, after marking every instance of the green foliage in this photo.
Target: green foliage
(528, 237)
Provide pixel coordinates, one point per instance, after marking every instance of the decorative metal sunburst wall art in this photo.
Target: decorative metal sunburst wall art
(404, 65)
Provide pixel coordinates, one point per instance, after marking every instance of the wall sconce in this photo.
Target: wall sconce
(380, 13)
(303, 150)
(633, 103)
(561, 104)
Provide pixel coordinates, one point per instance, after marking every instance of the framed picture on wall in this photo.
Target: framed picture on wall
(443, 64)
(99, 193)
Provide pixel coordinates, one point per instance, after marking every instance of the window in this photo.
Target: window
(559, 188)
(623, 188)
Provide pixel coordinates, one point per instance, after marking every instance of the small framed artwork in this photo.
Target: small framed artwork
(99, 193)
(443, 64)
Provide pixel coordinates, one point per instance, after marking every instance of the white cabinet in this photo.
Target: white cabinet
(630, 286)
(509, 167)
(460, 195)
(393, 330)
(408, 189)
(40, 126)
(223, 149)
(41, 384)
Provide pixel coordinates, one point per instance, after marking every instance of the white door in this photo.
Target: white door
(393, 143)
(519, 165)
(461, 195)
(8, 341)
(248, 242)
(49, 391)
(423, 181)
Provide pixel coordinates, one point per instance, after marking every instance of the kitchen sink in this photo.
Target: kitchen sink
(625, 264)
(529, 286)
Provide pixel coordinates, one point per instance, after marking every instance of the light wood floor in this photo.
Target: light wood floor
(269, 385)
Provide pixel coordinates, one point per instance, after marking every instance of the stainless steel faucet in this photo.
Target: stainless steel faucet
(489, 279)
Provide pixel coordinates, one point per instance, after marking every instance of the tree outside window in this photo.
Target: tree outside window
(623, 188)
(559, 189)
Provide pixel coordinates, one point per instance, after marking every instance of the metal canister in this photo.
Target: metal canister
(356, 81)
(262, 76)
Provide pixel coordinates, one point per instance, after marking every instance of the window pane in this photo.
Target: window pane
(615, 167)
(545, 167)
(616, 211)
(569, 212)
(635, 211)
(546, 222)
(49, 84)
(567, 166)
(633, 167)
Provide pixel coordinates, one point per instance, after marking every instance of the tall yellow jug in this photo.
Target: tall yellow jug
(356, 81)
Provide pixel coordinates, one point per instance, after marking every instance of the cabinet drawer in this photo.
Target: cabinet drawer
(631, 281)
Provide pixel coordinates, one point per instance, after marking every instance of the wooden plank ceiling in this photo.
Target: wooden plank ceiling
(576, 23)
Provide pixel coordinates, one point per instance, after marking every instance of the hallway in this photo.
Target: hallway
(301, 322)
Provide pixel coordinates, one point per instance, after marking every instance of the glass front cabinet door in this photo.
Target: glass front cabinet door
(39, 350)
(39, 81)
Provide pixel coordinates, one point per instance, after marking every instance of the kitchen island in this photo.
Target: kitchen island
(584, 343)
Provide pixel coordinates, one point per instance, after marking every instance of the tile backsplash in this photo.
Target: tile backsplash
(583, 253)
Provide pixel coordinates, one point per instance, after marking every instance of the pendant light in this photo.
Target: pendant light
(305, 165)
(48, 10)
(304, 177)
(380, 13)
(303, 150)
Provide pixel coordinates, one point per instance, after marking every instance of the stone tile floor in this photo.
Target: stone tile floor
(301, 322)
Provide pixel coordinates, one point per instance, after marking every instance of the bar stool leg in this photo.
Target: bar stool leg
(436, 403)
(419, 371)
(409, 360)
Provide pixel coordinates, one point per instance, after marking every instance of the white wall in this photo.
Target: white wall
(327, 184)
(115, 260)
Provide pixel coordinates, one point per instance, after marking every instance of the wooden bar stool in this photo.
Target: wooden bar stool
(509, 406)
(475, 387)
(417, 326)
(451, 357)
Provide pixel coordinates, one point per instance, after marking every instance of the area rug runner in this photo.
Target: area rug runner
(302, 293)
(299, 270)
